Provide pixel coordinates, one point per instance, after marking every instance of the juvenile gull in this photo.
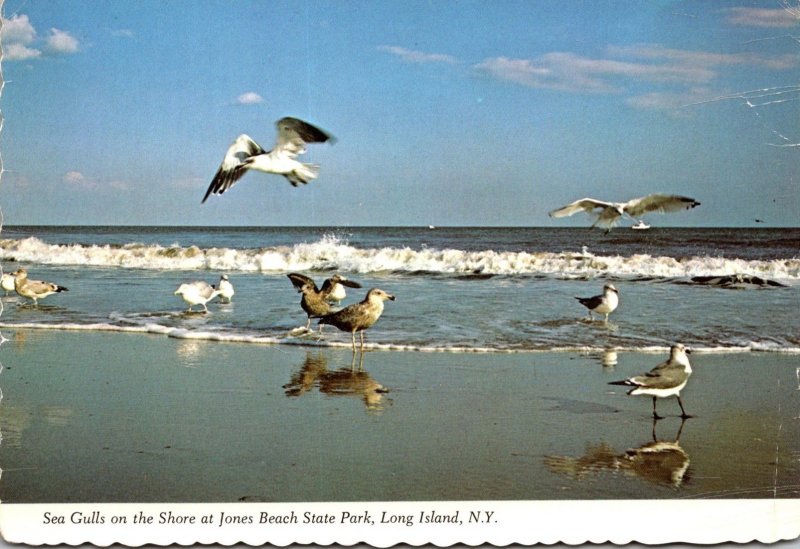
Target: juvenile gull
(197, 293)
(604, 303)
(245, 154)
(225, 288)
(34, 289)
(359, 316)
(313, 303)
(332, 289)
(665, 380)
(610, 212)
(7, 282)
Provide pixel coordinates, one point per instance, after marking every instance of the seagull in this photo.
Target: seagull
(666, 379)
(34, 289)
(313, 303)
(7, 282)
(225, 288)
(604, 303)
(610, 212)
(359, 316)
(245, 154)
(332, 289)
(197, 293)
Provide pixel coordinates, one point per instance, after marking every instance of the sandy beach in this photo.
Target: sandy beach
(106, 417)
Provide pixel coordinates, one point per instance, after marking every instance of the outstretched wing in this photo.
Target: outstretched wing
(583, 205)
(293, 134)
(299, 280)
(659, 203)
(233, 165)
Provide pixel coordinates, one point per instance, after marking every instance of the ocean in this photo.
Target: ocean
(458, 289)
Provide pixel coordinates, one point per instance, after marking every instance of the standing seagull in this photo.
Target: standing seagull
(604, 303)
(245, 154)
(332, 289)
(7, 282)
(359, 316)
(313, 303)
(34, 289)
(610, 212)
(666, 379)
(197, 293)
(225, 288)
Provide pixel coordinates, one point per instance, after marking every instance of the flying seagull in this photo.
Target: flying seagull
(610, 212)
(332, 289)
(604, 303)
(197, 293)
(245, 154)
(665, 380)
(359, 316)
(34, 289)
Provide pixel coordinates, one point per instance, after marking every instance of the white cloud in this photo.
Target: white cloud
(80, 181)
(61, 42)
(763, 17)
(249, 98)
(73, 177)
(414, 56)
(702, 59)
(670, 100)
(122, 33)
(21, 42)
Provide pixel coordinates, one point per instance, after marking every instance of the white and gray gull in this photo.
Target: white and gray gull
(665, 380)
(245, 154)
(359, 316)
(604, 303)
(198, 292)
(34, 289)
(225, 288)
(610, 212)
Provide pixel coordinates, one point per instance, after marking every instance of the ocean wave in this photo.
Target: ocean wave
(313, 341)
(331, 253)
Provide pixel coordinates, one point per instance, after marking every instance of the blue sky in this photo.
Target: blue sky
(445, 113)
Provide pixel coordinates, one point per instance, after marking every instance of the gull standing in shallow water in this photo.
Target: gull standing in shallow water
(7, 282)
(359, 316)
(197, 293)
(611, 212)
(34, 289)
(604, 303)
(225, 288)
(245, 154)
(665, 380)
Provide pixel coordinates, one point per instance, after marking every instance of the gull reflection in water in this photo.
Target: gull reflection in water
(350, 382)
(660, 461)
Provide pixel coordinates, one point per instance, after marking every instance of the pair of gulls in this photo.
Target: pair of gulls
(318, 303)
(200, 292)
(35, 290)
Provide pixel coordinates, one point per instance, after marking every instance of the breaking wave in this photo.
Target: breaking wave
(331, 253)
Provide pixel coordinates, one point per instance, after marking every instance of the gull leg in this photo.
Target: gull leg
(655, 413)
(308, 324)
(684, 415)
(353, 336)
(362, 341)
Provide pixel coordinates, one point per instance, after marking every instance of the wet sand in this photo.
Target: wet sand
(169, 420)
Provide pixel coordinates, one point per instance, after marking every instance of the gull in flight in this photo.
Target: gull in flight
(665, 380)
(359, 316)
(604, 303)
(34, 289)
(610, 212)
(198, 292)
(245, 154)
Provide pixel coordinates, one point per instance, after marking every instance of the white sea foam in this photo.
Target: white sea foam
(332, 254)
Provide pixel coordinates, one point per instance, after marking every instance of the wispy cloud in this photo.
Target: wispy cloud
(21, 41)
(414, 56)
(702, 59)
(763, 17)
(249, 98)
(78, 180)
(122, 33)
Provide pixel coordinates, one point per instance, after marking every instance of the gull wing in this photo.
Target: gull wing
(659, 203)
(233, 165)
(300, 280)
(329, 282)
(584, 204)
(293, 134)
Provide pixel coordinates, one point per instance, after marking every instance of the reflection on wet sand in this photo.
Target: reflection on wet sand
(353, 381)
(661, 462)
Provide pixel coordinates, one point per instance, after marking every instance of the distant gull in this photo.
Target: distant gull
(225, 288)
(197, 293)
(604, 303)
(245, 154)
(610, 212)
(359, 316)
(332, 288)
(7, 282)
(665, 380)
(34, 289)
